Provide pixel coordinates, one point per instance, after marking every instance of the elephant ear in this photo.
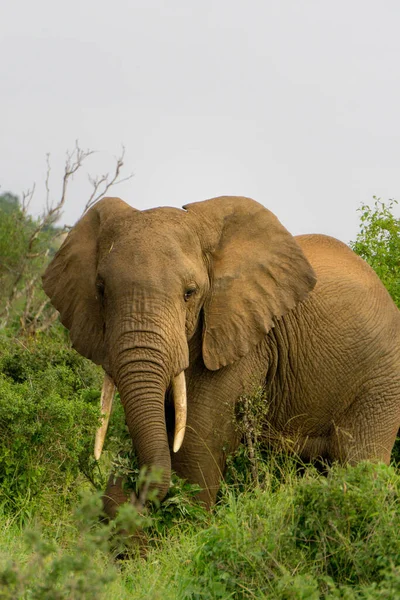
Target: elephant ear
(70, 278)
(258, 273)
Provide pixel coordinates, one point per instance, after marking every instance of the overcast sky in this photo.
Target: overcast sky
(294, 103)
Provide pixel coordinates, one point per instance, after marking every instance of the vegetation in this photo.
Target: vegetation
(378, 242)
(298, 537)
(25, 247)
(278, 531)
(48, 411)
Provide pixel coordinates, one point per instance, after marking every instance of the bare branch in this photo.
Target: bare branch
(74, 162)
(37, 314)
(47, 182)
(108, 181)
(48, 322)
(26, 199)
(40, 310)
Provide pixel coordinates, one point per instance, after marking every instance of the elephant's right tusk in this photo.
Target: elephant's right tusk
(106, 401)
(180, 403)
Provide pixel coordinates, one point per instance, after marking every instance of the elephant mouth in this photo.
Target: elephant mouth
(178, 387)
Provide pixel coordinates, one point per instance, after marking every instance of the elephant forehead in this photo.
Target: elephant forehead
(170, 225)
(158, 240)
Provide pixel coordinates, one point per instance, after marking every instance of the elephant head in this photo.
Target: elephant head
(133, 287)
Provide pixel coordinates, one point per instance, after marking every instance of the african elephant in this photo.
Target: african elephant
(190, 309)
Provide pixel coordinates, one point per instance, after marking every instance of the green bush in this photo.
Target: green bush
(49, 410)
(311, 536)
(26, 245)
(43, 569)
(308, 537)
(378, 242)
(348, 524)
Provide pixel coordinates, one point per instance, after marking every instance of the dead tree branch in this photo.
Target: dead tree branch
(24, 282)
(102, 184)
(26, 199)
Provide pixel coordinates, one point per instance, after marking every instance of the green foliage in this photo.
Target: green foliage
(26, 245)
(287, 536)
(8, 203)
(15, 228)
(378, 242)
(305, 537)
(347, 524)
(51, 572)
(178, 507)
(313, 535)
(48, 414)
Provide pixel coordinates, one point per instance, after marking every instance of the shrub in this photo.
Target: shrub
(348, 524)
(378, 242)
(44, 570)
(312, 536)
(48, 414)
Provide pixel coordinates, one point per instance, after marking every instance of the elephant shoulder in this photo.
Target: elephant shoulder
(345, 280)
(321, 244)
(332, 258)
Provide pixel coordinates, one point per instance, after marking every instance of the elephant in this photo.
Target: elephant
(188, 310)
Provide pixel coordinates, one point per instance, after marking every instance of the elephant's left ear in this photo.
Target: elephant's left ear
(258, 273)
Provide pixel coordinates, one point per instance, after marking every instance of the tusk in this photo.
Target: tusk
(180, 403)
(106, 401)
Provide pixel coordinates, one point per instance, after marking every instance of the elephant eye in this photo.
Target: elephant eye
(189, 293)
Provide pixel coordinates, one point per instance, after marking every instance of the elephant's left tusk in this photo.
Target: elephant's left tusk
(180, 403)
(106, 401)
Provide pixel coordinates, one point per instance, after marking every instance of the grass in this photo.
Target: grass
(302, 536)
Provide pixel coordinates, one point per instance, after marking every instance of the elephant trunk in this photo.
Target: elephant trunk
(143, 402)
(144, 368)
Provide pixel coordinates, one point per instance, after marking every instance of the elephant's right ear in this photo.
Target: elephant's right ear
(70, 278)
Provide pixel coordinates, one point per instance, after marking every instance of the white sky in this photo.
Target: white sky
(294, 103)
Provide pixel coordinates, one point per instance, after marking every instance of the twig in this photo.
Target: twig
(97, 182)
(27, 199)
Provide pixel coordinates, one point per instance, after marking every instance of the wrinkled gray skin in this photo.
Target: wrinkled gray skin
(224, 292)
